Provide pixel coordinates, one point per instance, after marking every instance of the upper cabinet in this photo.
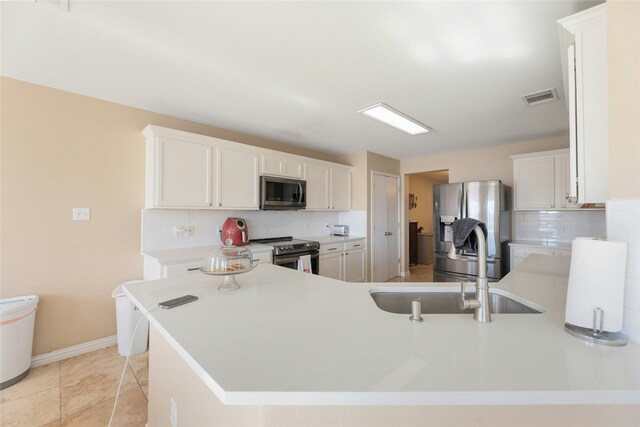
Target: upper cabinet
(238, 183)
(541, 181)
(179, 174)
(328, 187)
(273, 164)
(186, 170)
(583, 40)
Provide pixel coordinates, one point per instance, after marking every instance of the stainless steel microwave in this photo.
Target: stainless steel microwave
(278, 193)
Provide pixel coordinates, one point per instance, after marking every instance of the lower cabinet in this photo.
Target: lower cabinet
(154, 269)
(520, 252)
(343, 261)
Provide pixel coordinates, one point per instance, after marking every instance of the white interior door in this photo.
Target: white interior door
(385, 262)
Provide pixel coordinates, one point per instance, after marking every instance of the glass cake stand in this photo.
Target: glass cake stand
(228, 261)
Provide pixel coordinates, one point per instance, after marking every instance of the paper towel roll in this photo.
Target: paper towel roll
(596, 279)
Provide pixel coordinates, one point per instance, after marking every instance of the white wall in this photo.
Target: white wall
(158, 225)
(623, 223)
(558, 226)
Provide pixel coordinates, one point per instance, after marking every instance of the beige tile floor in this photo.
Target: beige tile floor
(79, 391)
(418, 273)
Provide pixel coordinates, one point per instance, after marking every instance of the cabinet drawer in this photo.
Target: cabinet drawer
(181, 269)
(263, 257)
(359, 244)
(332, 248)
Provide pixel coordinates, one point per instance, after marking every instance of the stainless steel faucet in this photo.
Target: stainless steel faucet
(480, 304)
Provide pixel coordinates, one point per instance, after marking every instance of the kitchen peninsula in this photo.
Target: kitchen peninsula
(290, 346)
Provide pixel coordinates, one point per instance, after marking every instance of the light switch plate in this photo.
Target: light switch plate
(81, 214)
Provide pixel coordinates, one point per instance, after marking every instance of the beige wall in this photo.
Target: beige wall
(422, 187)
(481, 164)
(61, 151)
(623, 45)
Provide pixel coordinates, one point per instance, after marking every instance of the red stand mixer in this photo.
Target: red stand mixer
(234, 232)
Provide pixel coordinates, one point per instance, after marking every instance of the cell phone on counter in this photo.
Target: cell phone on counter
(177, 301)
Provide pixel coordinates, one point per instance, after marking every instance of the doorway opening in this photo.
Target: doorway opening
(420, 227)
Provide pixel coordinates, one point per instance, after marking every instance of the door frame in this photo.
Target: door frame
(371, 223)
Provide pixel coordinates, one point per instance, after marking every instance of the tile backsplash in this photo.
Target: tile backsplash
(558, 226)
(623, 223)
(158, 225)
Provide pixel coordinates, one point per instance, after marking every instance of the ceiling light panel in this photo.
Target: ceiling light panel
(387, 115)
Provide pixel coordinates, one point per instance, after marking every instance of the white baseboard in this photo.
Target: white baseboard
(74, 350)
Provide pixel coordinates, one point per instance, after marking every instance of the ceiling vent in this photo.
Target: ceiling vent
(541, 97)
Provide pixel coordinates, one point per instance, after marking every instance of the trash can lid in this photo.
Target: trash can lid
(12, 305)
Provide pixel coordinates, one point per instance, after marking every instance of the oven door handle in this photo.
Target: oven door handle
(280, 260)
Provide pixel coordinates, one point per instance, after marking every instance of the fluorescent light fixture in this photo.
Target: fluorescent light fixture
(387, 115)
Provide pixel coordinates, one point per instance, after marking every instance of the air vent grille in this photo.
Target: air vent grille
(541, 97)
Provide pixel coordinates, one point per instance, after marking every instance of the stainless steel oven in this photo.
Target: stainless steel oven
(287, 251)
(291, 261)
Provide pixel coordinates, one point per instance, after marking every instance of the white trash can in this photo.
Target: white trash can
(127, 317)
(17, 317)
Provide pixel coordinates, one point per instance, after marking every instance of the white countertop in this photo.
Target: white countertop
(290, 338)
(549, 245)
(327, 240)
(196, 253)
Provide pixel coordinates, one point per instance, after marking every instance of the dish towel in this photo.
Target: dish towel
(463, 236)
(304, 264)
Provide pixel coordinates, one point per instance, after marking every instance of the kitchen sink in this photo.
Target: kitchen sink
(399, 302)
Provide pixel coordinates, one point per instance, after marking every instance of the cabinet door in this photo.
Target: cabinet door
(183, 174)
(563, 183)
(534, 182)
(289, 168)
(592, 106)
(317, 177)
(237, 177)
(331, 265)
(340, 189)
(354, 266)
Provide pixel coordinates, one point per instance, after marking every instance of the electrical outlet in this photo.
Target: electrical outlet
(190, 231)
(178, 231)
(173, 417)
(565, 228)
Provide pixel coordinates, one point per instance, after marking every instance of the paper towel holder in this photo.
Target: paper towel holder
(596, 335)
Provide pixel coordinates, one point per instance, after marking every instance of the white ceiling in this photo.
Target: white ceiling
(297, 72)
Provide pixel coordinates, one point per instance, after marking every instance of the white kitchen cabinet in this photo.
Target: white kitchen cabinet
(262, 257)
(238, 179)
(354, 261)
(276, 165)
(343, 261)
(179, 173)
(541, 181)
(340, 189)
(186, 170)
(317, 177)
(520, 252)
(583, 39)
(180, 262)
(328, 187)
(331, 265)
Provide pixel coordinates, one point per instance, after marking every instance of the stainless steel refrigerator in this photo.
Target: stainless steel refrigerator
(487, 201)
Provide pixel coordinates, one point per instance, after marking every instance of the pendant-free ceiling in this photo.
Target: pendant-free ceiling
(387, 115)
